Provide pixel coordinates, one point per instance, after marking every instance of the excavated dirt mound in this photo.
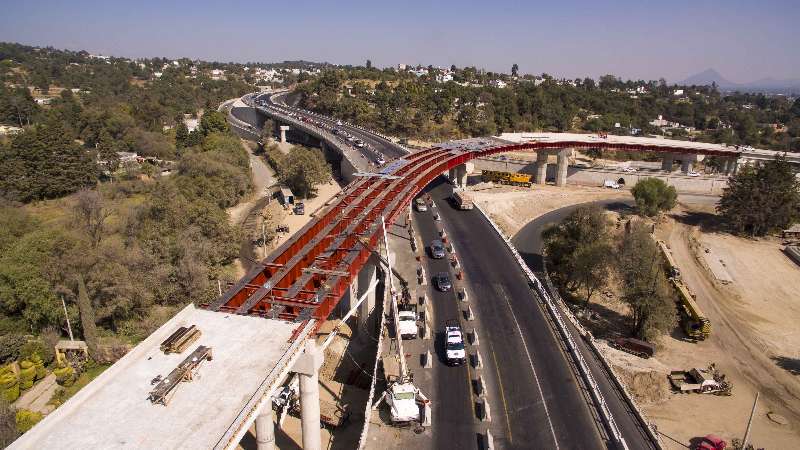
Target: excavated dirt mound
(645, 387)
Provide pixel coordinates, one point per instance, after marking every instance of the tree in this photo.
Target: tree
(579, 252)
(646, 290)
(369, 64)
(8, 424)
(514, 70)
(90, 214)
(181, 134)
(87, 317)
(213, 122)
(303, 169)
(653, 195)
(762, 198)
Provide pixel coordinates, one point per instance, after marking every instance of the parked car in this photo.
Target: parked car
(300, 208)
(692, 173)
(442, 281)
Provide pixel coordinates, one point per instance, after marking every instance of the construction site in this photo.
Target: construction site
(736, 338)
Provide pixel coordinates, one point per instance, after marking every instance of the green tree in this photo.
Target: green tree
(579, 252)
(761, 199)
(653, 195)
(514, 70)
(369, 64)
(646, 290)
(303, 169)
(213, 122)
(181, 134)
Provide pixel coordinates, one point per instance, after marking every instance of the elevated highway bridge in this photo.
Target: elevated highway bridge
(297, 287)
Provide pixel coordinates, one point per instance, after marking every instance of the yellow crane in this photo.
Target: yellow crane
(511, 178)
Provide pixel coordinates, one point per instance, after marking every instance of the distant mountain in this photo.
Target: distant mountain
(768, 85)
(707, 77)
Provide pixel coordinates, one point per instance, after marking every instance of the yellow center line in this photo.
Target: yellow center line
(502, 394)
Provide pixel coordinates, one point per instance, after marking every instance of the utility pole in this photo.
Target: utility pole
(749, 423)
(69, 327)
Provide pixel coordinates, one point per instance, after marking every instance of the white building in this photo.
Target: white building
(401, 67)
(498, 84)
(678, 92)
(444, 77)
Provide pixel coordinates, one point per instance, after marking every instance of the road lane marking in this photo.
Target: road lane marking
(502, 394)
(503, 294)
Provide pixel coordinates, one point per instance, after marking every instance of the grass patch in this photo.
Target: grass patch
(63, 394)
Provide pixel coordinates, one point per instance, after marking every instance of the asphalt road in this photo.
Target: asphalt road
(536, 399)
(454, 420)
(529, 243)
(388, 149)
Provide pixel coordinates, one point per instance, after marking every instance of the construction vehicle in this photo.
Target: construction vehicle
(462, 200)
(701, 381)
(670, 266)
(633, 346)
(510, 178)
(407, 316)
(694, 323)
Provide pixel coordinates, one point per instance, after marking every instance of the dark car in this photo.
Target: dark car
(300, 209)
(442, 281)
(437, 249)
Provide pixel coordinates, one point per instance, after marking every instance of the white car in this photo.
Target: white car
(630, 169)
(407, 326)
(692, 173)
(455, 354)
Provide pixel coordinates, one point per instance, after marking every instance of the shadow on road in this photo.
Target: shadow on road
(791, 365)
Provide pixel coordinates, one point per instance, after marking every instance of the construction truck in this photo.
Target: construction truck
(694, 323)
(462, 200)
(701, 381)
(669, 261)
(510, 178)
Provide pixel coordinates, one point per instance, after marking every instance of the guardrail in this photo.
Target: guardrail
(589, 339)
(594, 390)
(362, 441)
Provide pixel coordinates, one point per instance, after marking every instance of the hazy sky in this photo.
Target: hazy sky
(743, 40)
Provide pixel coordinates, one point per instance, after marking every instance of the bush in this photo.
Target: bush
(31, 348)
(65, 376)
(27, 419)
(9, 384)
(27, 374)
(38, 364)
(653, 195)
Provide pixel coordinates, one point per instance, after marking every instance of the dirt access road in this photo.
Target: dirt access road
(738, 347)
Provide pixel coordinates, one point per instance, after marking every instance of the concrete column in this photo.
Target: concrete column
(265, 429)
(561, 168)
(365, 279)
(686, 165)
(452, 175)
(726, 166)
(284, 129)
(540, 175)
(666, 162)
(309, 400)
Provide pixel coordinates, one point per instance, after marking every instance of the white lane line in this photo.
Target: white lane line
(530, 361)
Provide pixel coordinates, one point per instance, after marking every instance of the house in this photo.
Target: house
(217, 74)
(401, 67)
(444, 77)
(158, 74)
(678, 92)
(500, 84)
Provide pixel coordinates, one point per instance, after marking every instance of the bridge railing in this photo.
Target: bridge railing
(594, 390)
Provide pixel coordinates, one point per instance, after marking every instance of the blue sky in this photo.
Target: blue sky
(743, 40)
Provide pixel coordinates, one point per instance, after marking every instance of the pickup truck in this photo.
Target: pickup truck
(455, 355)
(407, 325)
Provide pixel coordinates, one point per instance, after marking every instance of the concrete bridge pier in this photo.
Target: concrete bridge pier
(540, 173)
(307, 368)
(561, 166)
(687, 162)
(365, 278)
(265, 430)
(667, 161)
(284, 129)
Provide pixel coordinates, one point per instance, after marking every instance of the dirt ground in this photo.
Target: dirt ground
(513, 207)
(755, 334)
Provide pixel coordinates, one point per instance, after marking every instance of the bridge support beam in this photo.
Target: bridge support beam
(265, 430)
(687, 165)
(667, 161)
(540, 174)
(307, 367)
(561, 167)
(284, 129)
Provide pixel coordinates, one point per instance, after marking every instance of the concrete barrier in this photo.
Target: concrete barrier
(476, 360)
(488, 441)
(468, 314)
(427, 360)
(473, 337)
(479, 386)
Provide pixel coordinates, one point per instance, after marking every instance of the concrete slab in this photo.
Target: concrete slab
(113, 411)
